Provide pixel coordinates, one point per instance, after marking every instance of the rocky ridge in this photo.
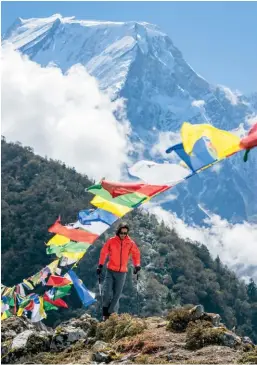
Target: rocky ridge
(186, 335)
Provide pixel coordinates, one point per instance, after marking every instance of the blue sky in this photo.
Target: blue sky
(218, 39)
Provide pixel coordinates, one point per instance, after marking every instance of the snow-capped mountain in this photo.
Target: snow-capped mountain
(137, 61)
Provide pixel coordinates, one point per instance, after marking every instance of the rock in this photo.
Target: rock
(65, 336)
(169, 357)
(213, 318)
(99, 346)
(230, 339)
(40, 326)
(5, 348)
(127, 358)
(101, 357)
(24, 344)
(20, 341)
(85, 322)
(10, 334)
(12, 326)
(162, 324)
(246, 339)
(196, 312)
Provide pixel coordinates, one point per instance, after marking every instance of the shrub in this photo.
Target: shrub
(202, 333)
(117, 327)
(178, 319)
(249, 357)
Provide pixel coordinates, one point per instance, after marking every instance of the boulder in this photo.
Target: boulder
(24, 344)
(213, 318)
(20, 341)
(230, 339)
(101, 357)
(99, 346)
(12, 326)
(85, 322)
(247, 340)
(196, 312)
(64, 336)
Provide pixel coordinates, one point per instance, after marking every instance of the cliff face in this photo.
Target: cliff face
(186, 335)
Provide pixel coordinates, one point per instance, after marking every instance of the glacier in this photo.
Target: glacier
(138, 62)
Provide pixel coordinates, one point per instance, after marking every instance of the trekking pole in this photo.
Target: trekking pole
(137, 295)
(100, 290)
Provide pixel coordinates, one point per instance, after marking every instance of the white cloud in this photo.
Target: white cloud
(234, 243)
(251, 119)
(240, 131)
(166, 139)
(65, 117)
(216, 168)
(164, 198)
(232, 96)
(198, 103)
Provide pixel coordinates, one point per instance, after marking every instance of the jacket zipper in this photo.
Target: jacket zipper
(120, 254)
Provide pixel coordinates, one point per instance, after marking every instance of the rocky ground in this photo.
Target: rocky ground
(186, 336)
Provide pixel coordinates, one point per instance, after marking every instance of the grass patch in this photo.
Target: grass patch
(117, 327)
(146, 359)
(249, 357)
(130, 345)
(202, 333)
(178, 319)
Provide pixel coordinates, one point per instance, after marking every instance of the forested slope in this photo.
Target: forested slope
(36, 190)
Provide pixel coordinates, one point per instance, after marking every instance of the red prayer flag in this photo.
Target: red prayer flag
(58, 302)
(73, 233)
(250, 141)
(55, 280)
(30, 306)
(117, 189)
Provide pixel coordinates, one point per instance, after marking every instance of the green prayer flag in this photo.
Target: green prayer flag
(49, 306)
(129, 200)
(62, 291)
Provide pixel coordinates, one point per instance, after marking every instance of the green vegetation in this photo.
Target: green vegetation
(178, 319)
(117, 327)
(175, 272)
(202, 333)
(249, 357)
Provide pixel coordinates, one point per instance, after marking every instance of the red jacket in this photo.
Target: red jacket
(119, 251)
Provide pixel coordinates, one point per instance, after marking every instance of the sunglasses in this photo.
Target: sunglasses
(123, 233)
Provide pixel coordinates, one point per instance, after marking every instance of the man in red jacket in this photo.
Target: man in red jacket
(118, 248)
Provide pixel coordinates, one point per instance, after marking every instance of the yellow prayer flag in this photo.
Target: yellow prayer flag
(117, 209)
(225, 143)
(73, 255)
(4, 316)
(53, 266)
(58, 240)
(42, 312)
(20, 311)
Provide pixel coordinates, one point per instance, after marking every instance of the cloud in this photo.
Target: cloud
(216, 168)
(198, 103)
(234, 243)
(251, 119)
(240, 131)
(232, 96)
(165, 140)
(63, 116)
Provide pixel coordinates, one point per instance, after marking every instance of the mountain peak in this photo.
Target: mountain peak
(98, 44)
(138, 62)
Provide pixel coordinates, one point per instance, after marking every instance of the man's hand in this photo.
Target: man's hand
(99, 269)
(137, 269)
